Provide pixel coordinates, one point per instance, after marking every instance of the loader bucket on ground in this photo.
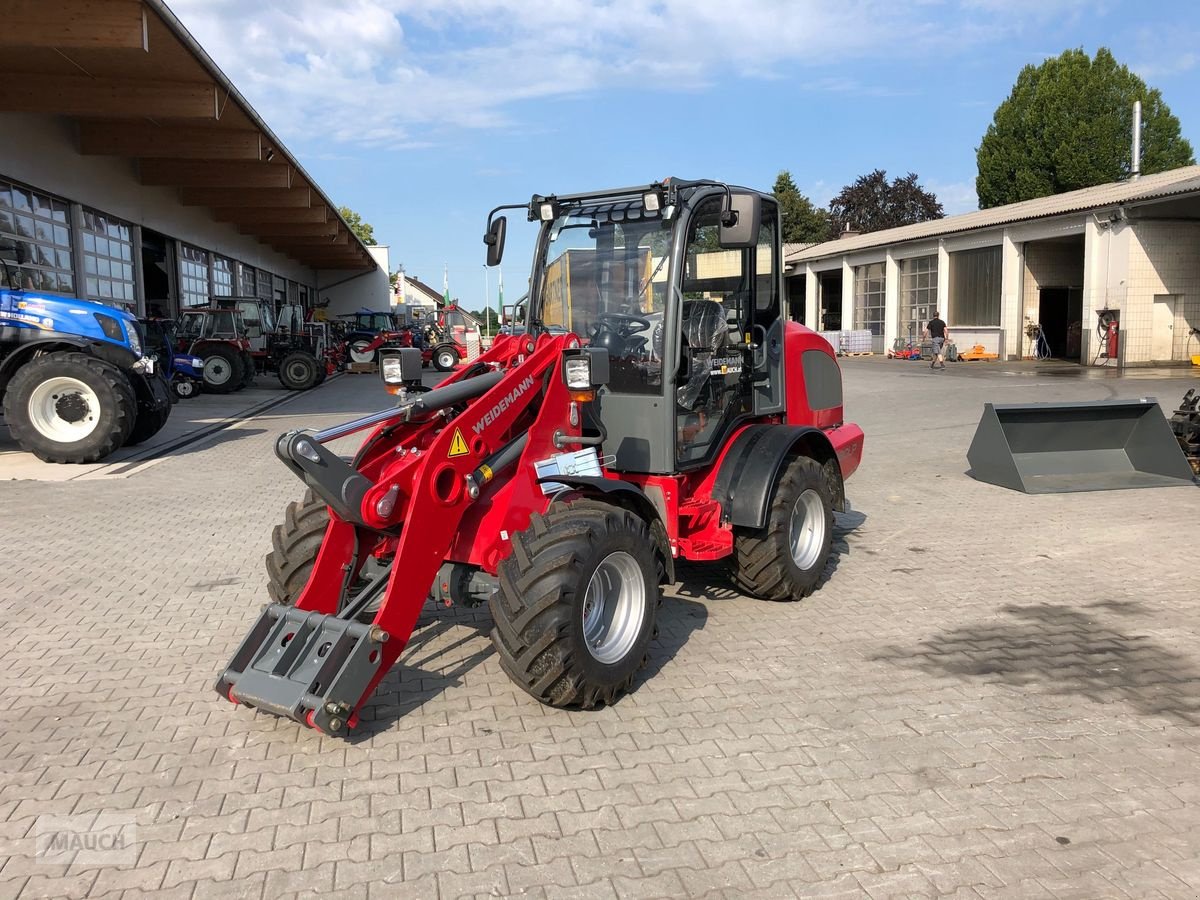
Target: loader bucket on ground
(1050, 448)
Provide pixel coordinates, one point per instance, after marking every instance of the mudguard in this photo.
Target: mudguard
(745, 483)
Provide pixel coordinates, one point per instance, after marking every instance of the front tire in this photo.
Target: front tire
(359, 353)
(445, 358)
(577, 603)
(223, 369)
(249, 369)
(294, 546)
(786, 558)
(298, 371)
(69, 408)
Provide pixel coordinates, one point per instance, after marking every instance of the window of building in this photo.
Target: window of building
(974, 288)
(869, 302)
(108, 259)
(41, 225)
(222, 276)
(293, 293)
(263, 289)
(304, 296)
(246, 280)
(193, 276)
(918, 294)
(280, 293)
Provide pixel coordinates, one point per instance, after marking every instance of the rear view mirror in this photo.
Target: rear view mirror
(495, 240)
(740, 223)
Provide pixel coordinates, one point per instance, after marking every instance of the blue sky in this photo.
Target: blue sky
(423, 115)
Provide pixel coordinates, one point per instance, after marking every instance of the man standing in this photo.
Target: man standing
(936, 332)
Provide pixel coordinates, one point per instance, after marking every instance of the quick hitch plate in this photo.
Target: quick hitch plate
(307, 666)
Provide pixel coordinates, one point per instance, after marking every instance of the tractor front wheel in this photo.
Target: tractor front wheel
(578, 597)
(298, 371)
(445, 358)
(785, 559)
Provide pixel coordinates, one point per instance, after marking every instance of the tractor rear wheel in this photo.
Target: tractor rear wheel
(359, 351)
(784, 560)
(445, 358)
(223, 369)
(294, 546)
(299, 370)
(69, 408)
(577, 602)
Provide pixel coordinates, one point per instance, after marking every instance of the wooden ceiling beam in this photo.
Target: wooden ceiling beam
(67, 24)
(248, 215)
(258, 198)
(79, 95)
(214, 173)
(171, 142)
(341, 238)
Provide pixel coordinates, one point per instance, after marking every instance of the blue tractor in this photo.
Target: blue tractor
(75, 380)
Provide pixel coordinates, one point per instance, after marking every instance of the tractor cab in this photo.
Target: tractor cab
(678, 282)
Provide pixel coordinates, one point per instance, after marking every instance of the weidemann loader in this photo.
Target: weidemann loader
(657, 405)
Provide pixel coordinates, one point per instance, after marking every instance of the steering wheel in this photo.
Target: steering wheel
(624, 323)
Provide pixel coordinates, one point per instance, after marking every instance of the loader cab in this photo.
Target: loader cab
(685, 301)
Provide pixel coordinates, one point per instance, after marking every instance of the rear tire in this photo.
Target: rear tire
(786, 558)
(358, 352)
(577, 603)
(223, 369)
(69, 408)
(294, 546)
(249, 369)
(445, 358)
(298, 371)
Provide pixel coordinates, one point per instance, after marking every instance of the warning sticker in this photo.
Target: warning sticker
(458, 445)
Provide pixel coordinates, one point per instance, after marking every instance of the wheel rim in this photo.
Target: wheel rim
(614, 607)
(298, 372)
(217, 370)
(447, 360)
(359, 353)
(806, 531)
(64, 409)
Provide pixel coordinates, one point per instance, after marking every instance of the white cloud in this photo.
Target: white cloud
(956, 196)
(400, 72)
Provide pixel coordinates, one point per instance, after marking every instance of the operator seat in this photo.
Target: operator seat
(705, 333)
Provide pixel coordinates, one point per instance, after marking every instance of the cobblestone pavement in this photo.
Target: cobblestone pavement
(992, 695)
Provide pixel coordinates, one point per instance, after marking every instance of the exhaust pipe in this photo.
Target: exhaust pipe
(1135, 168)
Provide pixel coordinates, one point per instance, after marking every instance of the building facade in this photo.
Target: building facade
(1128, 252)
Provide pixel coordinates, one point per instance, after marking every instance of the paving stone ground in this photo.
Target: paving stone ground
(992, 695)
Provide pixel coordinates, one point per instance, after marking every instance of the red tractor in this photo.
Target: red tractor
(658, 406)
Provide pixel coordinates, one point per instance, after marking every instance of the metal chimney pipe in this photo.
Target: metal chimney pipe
(1135, 170)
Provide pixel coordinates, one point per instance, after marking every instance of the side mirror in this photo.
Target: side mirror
(495, 240)
(740, 222)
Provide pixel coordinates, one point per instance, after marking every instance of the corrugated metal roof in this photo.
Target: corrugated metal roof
(1148, 187)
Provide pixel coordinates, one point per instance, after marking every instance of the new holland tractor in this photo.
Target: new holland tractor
(657, 405)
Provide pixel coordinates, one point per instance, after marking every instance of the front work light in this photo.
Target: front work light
(578, 372)
(651, 201)
(400, 368)
(584, 370)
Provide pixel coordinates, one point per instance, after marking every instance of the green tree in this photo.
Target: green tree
(872, 203)
(802, 222)
(1067, 125)
(362, 229)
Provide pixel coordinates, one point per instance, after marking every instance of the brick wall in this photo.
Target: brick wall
(1164, 258)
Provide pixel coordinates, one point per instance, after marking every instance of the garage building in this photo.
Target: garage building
(1127, 251)
(134, 173)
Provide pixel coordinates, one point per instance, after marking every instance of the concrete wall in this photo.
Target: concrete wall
(350, 291)
(42, 152)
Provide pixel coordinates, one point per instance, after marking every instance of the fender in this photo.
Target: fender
(745, 483)
(630, 497)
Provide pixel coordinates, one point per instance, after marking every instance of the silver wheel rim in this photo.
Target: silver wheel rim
(298, 372)
(360, 355)
(614, 607)
(806, 530)
(448, 360)
(55, 397)
(185, 389)
(217, 370)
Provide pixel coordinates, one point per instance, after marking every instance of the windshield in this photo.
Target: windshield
(603, 260)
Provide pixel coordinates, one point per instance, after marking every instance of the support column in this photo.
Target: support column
(812, 300)
(1012, 277)
(139, 277)
(891, 300)
(943, 285)
(847, 295)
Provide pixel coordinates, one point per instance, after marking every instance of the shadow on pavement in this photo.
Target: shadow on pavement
(1060, 649)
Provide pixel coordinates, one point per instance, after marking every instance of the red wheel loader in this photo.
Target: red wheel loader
(658, 406)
